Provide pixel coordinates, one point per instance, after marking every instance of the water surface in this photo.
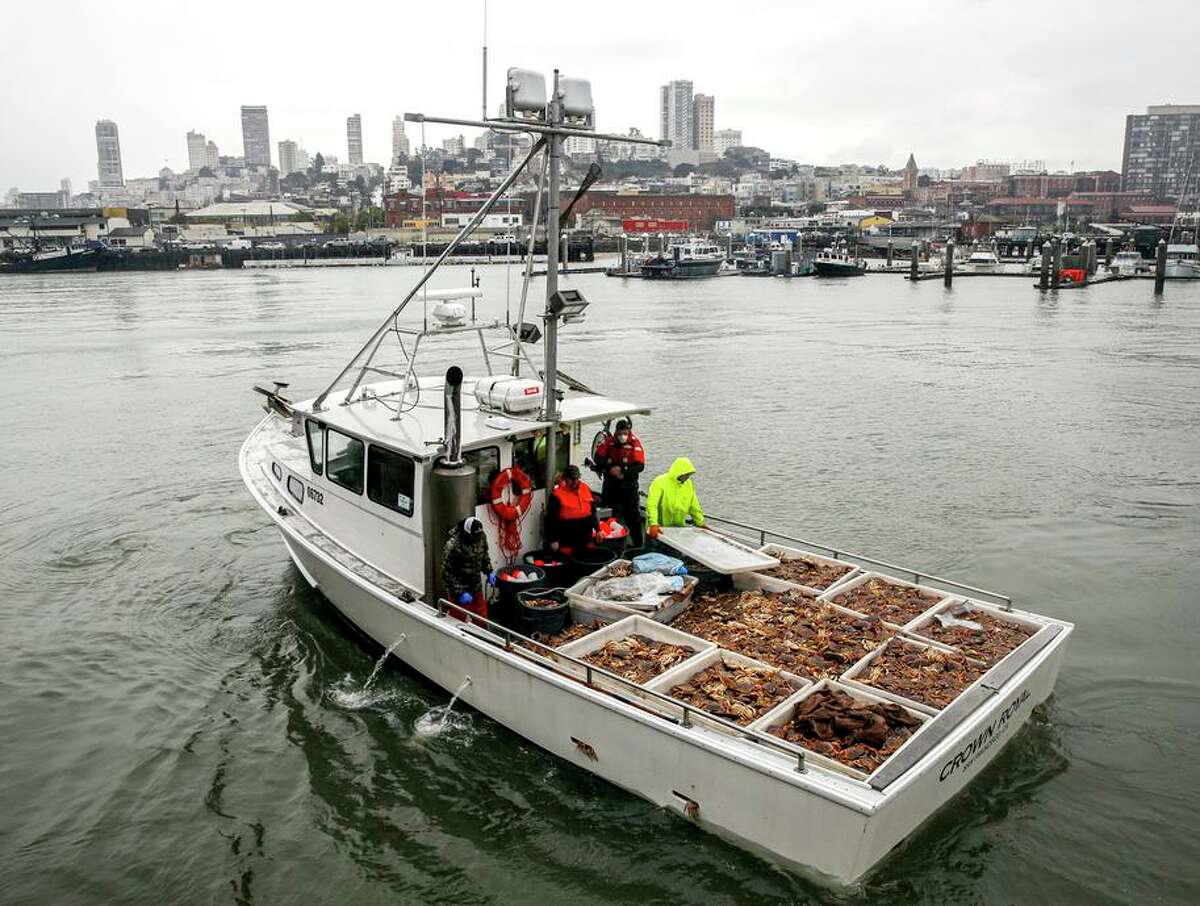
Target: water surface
(180, 717)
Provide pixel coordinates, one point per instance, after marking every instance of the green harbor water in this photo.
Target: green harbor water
(181, 717)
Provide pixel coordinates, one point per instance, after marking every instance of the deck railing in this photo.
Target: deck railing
(918, 577)
(508, 639)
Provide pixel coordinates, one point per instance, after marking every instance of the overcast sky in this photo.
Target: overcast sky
(821, 83)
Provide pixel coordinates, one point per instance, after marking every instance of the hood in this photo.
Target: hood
(681, 466)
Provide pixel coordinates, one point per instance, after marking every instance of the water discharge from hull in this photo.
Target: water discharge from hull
(435, 720)
(356, 699)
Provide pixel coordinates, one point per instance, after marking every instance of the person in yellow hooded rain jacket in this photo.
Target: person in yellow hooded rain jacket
(672, 498)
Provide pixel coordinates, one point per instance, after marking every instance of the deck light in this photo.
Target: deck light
(575, 95)
(568, 304)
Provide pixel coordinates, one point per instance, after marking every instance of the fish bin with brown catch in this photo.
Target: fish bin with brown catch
(728, 685)
(637, 648)
(809, 572)
(892, 600)
(926, 677)
(849, 730)
(978, 631)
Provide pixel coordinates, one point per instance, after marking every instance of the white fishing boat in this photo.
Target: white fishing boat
(1127, 263)
(365, 480)
(982, 260)
(1183, 261)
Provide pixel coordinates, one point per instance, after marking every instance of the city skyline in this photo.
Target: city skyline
(938, 103)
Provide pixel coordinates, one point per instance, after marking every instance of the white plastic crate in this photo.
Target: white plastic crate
(964, 608)
(782, 714)
(634, 625)
(667, 681)
(784, 554)
(851, 676)
(587, 608)
(934, 596)
(718, 552)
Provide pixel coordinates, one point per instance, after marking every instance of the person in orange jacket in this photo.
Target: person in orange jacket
(570, 513)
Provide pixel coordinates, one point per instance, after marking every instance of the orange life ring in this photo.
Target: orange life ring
(511, 512)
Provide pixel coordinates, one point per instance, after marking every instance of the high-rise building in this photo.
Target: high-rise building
(455, 147)
(64, 186)
(400, 144)
(1162, 146)
(724, 139)
(354, 139)
(289, 157)
(212, 157)
(702, 123)
(578, 146)
(256, 137)
(675, 113)
(197, 150)
(108, 155)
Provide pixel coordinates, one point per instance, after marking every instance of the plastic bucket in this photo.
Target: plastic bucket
(547, 620)
(709, 580)
(616, 545)
(586, 560)
(505, 611)
(556, 576)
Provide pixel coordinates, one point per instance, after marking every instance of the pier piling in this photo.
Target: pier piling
(1046, 255)
(1160, 267)
(1108, 252)
(890, 252)
(1055, 262)
(624, 245)
(915, 263)
(948, 275)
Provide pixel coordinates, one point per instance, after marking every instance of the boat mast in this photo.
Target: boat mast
(550, 375)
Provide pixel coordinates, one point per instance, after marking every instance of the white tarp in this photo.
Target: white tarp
(716, 551)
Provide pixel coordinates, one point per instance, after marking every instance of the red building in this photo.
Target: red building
(700, 211)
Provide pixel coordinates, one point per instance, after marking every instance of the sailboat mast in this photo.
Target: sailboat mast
(550, 378)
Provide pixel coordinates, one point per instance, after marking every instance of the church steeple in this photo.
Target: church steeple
(910, 175)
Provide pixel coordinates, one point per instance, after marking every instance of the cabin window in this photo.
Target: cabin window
(316, 452)
(296, 488)
(345, 460)
(390, 479)
(530, 455)
(487, 465)
(276, 471)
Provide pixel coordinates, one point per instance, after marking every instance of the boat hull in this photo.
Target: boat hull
(837, 269)
(688, 269)
(752, 795)
(1183, 270)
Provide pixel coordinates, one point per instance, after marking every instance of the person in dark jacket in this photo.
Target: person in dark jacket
(465, 560)
(620, 459)
(570, 513)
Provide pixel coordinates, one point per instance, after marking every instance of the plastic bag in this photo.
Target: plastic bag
(659, 563)
(950, 620)
(642, 587)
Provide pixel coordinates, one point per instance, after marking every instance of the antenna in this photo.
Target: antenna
(485, 113)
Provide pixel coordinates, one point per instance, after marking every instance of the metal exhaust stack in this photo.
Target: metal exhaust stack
(453, 415)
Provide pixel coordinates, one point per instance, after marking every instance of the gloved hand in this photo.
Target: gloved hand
(616, 472)
(553, 545)
(465, 598)
(491, 579)
(655, 531)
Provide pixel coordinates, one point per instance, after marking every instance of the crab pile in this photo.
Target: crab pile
(808, 573)
(790, 631)
(638, 658)
(617, 570)
(733, 691)
(897, 604)
(570, 634)
(858, 734)
(923, 674)
(542, 603)
(992, 641)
